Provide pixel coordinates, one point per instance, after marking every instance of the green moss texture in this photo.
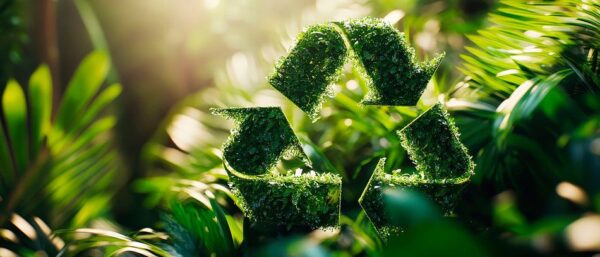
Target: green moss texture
(304, 76)
(432, 142)
(444, 192)
(442, 162)
(389, 61)
(311, 200)
(379, 49)
(262, 135)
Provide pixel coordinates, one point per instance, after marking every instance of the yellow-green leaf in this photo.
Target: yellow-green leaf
(40, 96)
(83, 86)
(15, 113)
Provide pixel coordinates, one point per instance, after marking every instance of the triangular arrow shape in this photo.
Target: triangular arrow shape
(389, 62)
(262, 135)
(442, 163)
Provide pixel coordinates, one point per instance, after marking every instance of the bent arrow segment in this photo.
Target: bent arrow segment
(442, 191)
(262, 136)
(432, 142)
(389, 62)
(381, 51)
(312, 200)
(304, 76)
(442, 163)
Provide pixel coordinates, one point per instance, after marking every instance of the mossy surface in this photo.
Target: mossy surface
(311, 200)
(442, 162)
(315, 62)
(262, 135)
(432, 142)
(379, 49)
(442, 191)
(396, 78)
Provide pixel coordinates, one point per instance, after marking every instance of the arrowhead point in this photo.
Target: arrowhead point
(389, 62)
(261, 137)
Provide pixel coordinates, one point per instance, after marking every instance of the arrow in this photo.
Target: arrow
(442, 162)
(310, 199)
(395, 78)
(304, 76)
(262, 136)
(389, 62)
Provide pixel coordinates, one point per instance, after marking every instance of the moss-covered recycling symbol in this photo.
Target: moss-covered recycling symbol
(262, 135)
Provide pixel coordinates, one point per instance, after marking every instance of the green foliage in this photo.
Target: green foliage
(439, 238)
(395, 76)
(28, 237)
(199, 231)
(528, 111)
(312, 65)
(530, 68)
(263, 135)
(190, 230)
(60, 170)
(305, 200)
(432, 141)
(85, 240)
(398, 77)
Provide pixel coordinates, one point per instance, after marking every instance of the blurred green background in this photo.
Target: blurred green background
(520, 79)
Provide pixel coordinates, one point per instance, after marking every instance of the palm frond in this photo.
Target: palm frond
(60, 169)
(190, 230)
(110, 243)
(28, 237)
(533, 53)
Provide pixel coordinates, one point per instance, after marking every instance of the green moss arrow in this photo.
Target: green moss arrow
(305, 74)
(309, 199)
(396, 78)
(262, 135)
(442, 163)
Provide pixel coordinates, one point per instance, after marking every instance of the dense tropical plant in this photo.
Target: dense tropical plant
(57, 169)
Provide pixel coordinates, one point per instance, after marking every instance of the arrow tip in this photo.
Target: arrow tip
(261, 137)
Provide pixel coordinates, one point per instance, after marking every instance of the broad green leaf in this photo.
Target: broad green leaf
(40, 98)
(106, 97)
(84, 85)
(15, 113)
(7, 168)
(224, 227)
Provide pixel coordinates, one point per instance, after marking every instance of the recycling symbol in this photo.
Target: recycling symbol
(262, 135)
